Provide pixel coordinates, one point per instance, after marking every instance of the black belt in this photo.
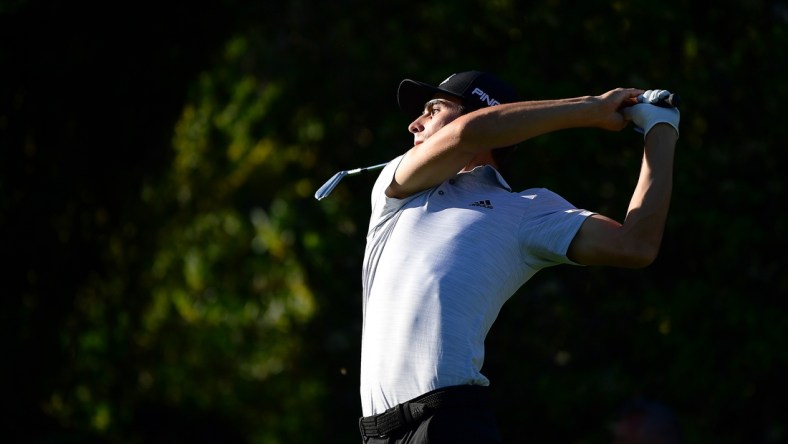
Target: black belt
(417, 409)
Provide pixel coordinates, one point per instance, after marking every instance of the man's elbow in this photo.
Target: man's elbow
(641, 256)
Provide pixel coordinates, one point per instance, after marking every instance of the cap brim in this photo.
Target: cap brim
(413, 95)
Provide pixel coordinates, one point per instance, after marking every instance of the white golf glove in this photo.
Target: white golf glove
(646, 113)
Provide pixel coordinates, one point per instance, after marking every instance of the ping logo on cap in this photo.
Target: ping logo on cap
(484, 97)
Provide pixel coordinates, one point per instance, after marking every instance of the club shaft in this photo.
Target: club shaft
(361, 170)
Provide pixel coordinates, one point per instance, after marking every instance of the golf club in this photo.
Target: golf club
(669, 101)
(329, 186)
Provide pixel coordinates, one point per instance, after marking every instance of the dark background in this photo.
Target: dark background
(168, 275)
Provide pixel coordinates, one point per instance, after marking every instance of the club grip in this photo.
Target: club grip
(671, 101)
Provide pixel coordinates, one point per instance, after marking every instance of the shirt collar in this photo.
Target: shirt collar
(488, 174)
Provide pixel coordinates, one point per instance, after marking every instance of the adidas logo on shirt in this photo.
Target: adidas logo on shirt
(483, 203)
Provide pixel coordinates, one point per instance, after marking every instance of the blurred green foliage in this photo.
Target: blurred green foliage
(169, 277)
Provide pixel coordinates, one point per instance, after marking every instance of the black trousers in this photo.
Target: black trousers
(456, 415)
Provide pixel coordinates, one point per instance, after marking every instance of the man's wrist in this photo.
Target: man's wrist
(664, 132)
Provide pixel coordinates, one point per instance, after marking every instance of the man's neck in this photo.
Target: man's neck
(481, 159)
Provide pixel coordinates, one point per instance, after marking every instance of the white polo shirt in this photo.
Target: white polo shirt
(438, 267)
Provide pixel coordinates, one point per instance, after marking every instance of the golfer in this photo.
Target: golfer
(449, 242)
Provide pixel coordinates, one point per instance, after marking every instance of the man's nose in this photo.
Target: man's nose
(416, 126)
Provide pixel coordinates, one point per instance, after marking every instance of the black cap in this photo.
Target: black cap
(477, 89)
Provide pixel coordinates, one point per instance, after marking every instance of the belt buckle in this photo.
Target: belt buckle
(367, 431)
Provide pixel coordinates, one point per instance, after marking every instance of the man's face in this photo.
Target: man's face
(437, 113)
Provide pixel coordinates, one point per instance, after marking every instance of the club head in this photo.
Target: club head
(329, 186)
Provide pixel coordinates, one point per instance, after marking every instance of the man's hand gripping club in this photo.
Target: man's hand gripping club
(649, 111)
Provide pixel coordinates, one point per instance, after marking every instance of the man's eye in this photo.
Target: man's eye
(434, 110)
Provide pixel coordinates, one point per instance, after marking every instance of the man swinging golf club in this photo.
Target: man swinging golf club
(449, 243)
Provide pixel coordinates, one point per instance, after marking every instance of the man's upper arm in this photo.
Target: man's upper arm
(603, 241)
(432, 162)
(420, 170)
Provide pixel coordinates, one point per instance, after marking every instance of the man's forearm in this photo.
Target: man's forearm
(469, 136)
(510, 124)
(648, 208)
